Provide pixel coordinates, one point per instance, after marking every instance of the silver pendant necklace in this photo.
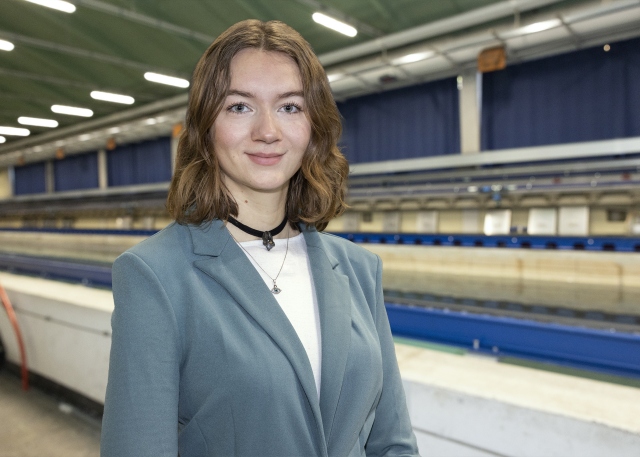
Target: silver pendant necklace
(275, 289)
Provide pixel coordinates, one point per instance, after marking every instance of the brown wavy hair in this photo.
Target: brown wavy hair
(316, 192)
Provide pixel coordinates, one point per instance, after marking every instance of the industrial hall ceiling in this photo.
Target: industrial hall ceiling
(51, 58)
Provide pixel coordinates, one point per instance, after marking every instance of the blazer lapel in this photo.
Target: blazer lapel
(229, 267)
(332, 291)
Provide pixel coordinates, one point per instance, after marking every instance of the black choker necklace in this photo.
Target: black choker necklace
(267, 236)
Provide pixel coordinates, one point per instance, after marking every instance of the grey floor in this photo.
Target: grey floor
(34, 424)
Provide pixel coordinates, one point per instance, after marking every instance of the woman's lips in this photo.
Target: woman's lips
(264, 158)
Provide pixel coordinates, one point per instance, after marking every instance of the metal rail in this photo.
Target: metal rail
(619, 244)
(588, 349)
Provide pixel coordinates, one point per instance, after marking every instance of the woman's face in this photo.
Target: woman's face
(262, 132)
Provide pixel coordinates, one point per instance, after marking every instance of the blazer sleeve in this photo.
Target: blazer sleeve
(391, 434)
(141, 406)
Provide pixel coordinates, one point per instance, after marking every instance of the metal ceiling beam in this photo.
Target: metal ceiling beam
(506, 172)
(78, 52)
(46, 79)
(39, 101)
(604, 148)
(388, 13)
(452, 24)
(144, 19)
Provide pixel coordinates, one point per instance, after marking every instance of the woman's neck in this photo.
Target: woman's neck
(262, 212)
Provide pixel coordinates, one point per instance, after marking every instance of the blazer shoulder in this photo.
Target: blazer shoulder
(164, 245)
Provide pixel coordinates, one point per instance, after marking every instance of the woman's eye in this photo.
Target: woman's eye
(291, 108)
(238, 108)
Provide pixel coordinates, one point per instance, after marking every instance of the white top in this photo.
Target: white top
(298, 297)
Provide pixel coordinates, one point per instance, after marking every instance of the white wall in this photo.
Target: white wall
(470, 221)
(5, 184)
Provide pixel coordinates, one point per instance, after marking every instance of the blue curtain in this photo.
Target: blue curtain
(139, 163)
(580, 96)
(29, 179)
(417, 121)
(76, 172)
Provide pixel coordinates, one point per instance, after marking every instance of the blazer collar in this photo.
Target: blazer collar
(209, 238)
(334, 304)
(225, 262)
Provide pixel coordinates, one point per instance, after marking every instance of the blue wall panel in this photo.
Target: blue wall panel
(139, 163)
(580, 96)
(76, 172)
(29, 179)
(417, 121)
(583, 348)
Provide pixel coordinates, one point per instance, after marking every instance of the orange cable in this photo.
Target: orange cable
(4, 298)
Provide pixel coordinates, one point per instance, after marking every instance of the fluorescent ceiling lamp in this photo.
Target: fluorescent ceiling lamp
(72, 111)
(537, 27)
(334, 24)
(115, 98)
(335, 76)
(14, 131)
(415, 57)
(164, 79)
(2, 139)
(59, 5)
(6, 45)
(37, 122)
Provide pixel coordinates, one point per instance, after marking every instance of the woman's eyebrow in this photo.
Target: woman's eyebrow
(295, 93)
(242, 93)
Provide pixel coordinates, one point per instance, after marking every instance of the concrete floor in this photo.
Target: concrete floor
(34, 424)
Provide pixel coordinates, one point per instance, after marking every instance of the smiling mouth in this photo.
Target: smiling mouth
(262, 158)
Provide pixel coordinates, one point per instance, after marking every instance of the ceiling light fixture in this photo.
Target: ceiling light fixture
(115, 98)
(14, 131)
(6, 45)
(334, 24)
(59, 5)
(72, 111)
(415, 57)
(2, 139)
(37, 122)
(335, 76)
(164, 79)
(537, 27)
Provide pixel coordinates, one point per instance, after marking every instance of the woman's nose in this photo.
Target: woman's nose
(266, 128)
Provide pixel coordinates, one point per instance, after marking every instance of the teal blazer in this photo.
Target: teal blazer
(204, 362)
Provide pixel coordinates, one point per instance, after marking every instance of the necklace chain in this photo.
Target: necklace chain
(275, 290)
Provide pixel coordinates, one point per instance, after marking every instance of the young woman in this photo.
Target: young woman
(242, 329)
